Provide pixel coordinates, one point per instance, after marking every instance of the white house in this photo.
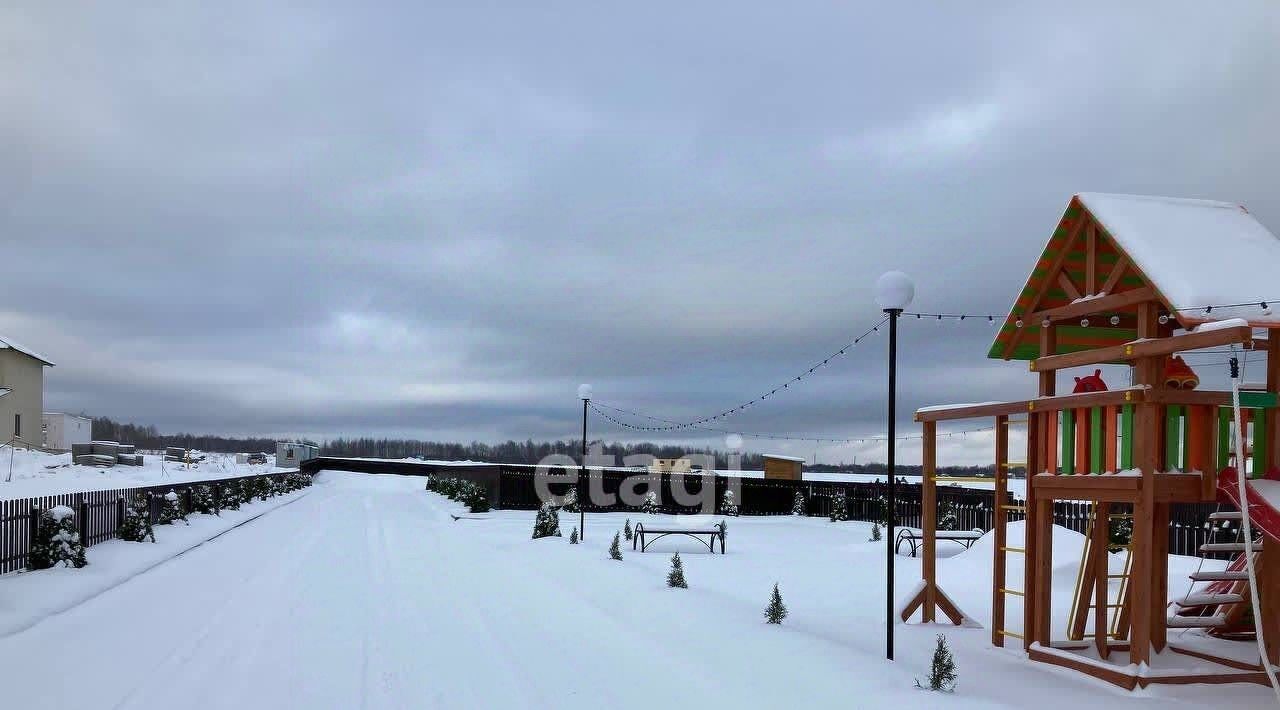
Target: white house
(290, 454)
(62, 430)
(21, 392)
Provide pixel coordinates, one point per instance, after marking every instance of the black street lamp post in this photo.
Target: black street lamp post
(584, 393)
(894, 291)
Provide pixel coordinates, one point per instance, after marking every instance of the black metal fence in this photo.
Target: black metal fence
(514, 487)
(98, 513)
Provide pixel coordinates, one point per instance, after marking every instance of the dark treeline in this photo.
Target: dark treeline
(148, 437)
(525, 452)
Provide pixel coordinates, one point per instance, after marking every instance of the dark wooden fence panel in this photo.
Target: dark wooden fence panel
(97, 514)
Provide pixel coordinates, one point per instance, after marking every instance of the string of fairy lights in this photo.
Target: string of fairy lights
(660, 424)
(597, 408)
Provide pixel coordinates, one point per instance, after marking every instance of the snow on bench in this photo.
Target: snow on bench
(915, 538)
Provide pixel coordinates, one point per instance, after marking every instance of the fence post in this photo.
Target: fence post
(119, 513)
(33, 529)
(186, 494)
(84, 521)
(151, 507)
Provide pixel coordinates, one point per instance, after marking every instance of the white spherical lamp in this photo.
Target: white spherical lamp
(584, 391)
(894, 290)
(733, 442)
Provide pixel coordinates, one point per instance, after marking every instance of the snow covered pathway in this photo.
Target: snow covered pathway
(365, 593)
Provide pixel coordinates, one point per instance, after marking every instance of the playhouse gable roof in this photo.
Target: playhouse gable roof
(1189, 253)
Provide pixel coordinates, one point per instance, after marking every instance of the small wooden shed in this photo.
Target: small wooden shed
(784, 467)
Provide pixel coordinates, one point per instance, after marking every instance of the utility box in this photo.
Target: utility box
(291, 454)
(61, 430)
(787, 468)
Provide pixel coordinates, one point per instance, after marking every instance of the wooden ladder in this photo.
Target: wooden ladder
(1220, 606)
(1000, 523)
(1093, 583)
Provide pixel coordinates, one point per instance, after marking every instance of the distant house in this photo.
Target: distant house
(291, 454)
(784, 467)
(681, 465)
(62, 430)
(21, 393)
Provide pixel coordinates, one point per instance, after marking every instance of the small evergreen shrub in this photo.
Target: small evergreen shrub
(839, 508)
(626, 530)
(573, 536)
(797, 504)
(728, 506)
(57, 540)
(776, 611)
(202, 500)
(615, 550)
(136, 524)
(875, 533)
(171, 509)
(476, 498)
(547, 524)
(262, 488)
(570, 501)
(942, 673)
(650, 504)
(675, 578)
(1119, 534)
(947, 518)
(230, 495)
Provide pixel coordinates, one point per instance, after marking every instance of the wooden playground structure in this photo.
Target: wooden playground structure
(1105, 292)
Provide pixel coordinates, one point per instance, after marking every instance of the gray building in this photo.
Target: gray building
(291, 454)
(21, 393)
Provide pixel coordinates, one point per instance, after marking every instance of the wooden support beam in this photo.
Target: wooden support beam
(1045, 404)
(1159, 576)
(1092, 306)
(1117, 272)
(929, 516)
(999, 530)
(1043, 536)
(1140, 349)
(1090, 259)
(1269, 595)
(1053, 270)
(1065, 282)
(1098, 546)
(1272, 433)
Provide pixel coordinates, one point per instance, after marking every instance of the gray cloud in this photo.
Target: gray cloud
(435, 220)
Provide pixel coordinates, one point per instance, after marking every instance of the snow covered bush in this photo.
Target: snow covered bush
(728, 506)
(626, 530)
(675, 578)
(776, 611)
(171, 509)
(650, 504)
(202, 500)
(475, 497)
(547, 524)
(570, 504)
(797, 504)
(942, 673)
(615, 550)
(261, 488)
(839, 508)
(947, 518)
(57, 540)
(573, 536)
(875, 533)
(1119, 534)
(135, 526)
(230, 496)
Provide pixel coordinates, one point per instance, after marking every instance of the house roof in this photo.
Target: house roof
(9, 344)
(797, 459)
(1191, 253)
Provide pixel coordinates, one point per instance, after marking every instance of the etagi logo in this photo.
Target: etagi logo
(642, 485)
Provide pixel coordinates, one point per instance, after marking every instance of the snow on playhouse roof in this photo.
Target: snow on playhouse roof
(9, 344)
(1190, 253)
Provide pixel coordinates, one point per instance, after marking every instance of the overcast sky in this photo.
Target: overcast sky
(434, 220)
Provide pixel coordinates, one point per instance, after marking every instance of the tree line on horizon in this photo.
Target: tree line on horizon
(513, 452)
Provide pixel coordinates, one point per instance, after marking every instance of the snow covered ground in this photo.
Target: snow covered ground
(35, 473)
(365, 592)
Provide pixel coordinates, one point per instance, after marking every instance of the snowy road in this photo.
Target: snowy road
(366, 594)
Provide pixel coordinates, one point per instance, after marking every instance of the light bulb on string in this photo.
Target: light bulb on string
(1114, 320)
(1164, 318)
(1084, 322)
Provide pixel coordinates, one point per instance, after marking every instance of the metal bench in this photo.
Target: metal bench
(715, 532)
(915, 538)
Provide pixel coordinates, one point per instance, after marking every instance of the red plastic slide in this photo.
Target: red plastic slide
(1262, 495)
